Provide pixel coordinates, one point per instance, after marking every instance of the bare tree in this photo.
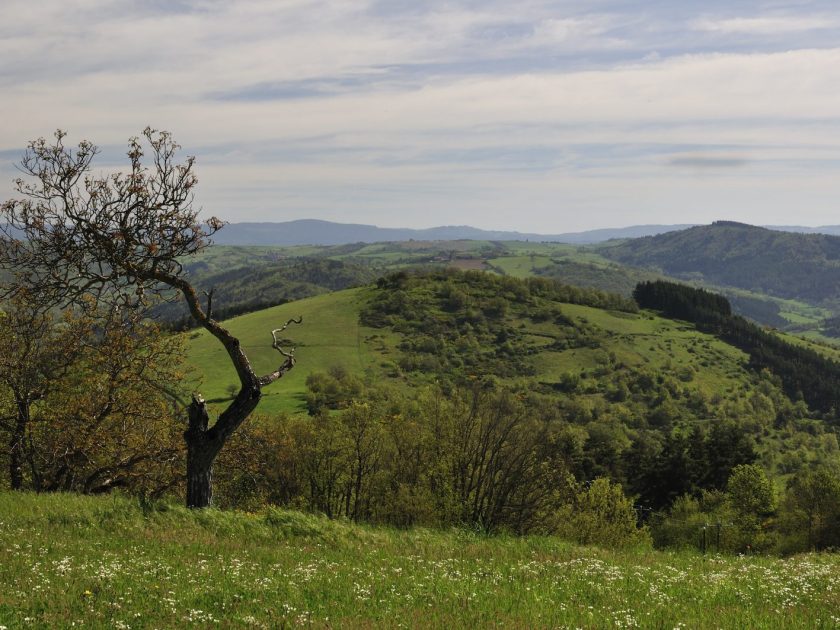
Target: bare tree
(119, 238)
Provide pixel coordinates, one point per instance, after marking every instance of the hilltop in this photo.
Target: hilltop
(782, 264)
(319, 232)
(248, 278)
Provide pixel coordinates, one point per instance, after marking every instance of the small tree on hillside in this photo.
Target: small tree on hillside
(34, 353)
(119, 238)
(753, 499)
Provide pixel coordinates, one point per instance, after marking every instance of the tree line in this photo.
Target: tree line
(804, 372)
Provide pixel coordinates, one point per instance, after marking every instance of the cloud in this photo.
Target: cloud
(543, 114)
(766, 25)
(707, 162)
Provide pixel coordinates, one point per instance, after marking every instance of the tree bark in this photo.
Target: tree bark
(199, 477)
(17, 444)
(201, 452)
(203, 443)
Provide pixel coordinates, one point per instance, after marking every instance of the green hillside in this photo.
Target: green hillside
(330, 335)
(783, 264)
(250, 278)
(638, 377)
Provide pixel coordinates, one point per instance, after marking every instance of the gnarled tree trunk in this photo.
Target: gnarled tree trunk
(201, 451)
(203, 441)
(17, 444)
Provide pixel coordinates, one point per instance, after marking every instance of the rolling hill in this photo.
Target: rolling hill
(317, 232)
(332, 334)
(247, 278)
(782, 264)
(622, 380)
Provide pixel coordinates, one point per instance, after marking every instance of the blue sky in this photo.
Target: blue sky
(533, 115)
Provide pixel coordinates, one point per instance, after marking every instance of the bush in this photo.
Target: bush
(601, 515)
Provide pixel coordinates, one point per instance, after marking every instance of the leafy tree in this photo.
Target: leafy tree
(752, 498)
(600, 514)
(812, 505)
(88, 411)
(111, 420)
(120, 238)
(35, 351)
(334, 389)
(750, 491)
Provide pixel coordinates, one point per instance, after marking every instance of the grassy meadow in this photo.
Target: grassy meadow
(73, 561)
(332, 335)
(329, 335)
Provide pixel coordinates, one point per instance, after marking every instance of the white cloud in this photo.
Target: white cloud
(504, 113)
(771, 25)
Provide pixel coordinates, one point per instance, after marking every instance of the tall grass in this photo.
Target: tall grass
(112, 562)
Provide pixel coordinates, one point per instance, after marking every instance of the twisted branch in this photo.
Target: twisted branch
(289, 363)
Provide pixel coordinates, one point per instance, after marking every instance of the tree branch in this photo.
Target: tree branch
(289, 363)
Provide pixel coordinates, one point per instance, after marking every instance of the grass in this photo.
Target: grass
(520, 266)
(330, 335)
(646, 339)
(104, 562)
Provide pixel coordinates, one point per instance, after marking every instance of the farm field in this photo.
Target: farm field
(104, 562)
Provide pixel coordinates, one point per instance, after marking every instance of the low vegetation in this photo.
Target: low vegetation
(653, 406)
(111, 562)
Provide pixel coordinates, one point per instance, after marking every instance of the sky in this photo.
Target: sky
(537, 116)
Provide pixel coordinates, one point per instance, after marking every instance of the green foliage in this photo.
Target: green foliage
(600, 514)
(733, 254)
(680, 301)
(477, 457)
(86, 402)
(611, 278)
(750, 491)
(753, 499)
(462, 323)
(661, 468)
(810, 510)
(648, 403)
(701, 523)
(804, 372)
(334, 389)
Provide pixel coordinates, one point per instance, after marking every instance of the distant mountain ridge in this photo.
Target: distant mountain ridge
(783, 264)
(319, 232)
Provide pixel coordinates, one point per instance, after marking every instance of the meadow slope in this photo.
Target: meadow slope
(331, 335)
(104, 562)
